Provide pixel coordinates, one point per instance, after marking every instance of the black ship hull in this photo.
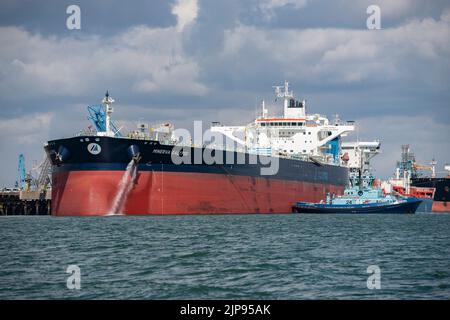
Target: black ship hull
(441, 200)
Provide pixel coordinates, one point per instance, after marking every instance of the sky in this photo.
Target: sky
(186, 60)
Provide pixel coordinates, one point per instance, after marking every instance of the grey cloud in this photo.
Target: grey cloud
(104, 17)
(423, 134)
(141, 59)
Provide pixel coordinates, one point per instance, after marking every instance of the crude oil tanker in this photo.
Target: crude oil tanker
(273, 162)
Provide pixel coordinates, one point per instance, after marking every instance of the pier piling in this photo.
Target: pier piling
(24, 203)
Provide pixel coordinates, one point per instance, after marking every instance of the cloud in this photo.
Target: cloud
(423, 134)
(388, 8)
(337, 56)
(445, 16)
(25, 134)
(28, 129)
(273, 4)
(186, 12)
(268, 7)
(140, 59)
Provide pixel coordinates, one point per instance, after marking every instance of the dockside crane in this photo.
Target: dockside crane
(21, 173)
(43, 170)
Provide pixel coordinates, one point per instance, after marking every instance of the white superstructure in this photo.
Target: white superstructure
(108, 130)
(356, 155)
(293, 134)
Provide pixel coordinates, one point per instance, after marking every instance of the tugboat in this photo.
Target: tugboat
(361, 201)
(361, 196)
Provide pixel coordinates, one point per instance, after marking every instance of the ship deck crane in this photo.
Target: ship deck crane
(431, 167)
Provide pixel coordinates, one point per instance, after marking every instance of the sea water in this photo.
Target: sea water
(226, 257)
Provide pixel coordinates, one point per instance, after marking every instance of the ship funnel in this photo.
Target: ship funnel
(133, 153)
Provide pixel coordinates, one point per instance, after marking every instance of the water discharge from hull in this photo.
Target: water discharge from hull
(124, 188)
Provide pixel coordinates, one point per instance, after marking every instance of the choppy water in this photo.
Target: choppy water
(226, 257)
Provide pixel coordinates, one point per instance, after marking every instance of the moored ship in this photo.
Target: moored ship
(409, 180)
(441, 197)
(276, 161)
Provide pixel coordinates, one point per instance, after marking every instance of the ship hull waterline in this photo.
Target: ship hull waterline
(86, 183)
(441, 201)
(91, 193)
(408, 207)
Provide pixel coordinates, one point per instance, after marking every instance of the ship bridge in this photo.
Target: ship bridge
(294, 134)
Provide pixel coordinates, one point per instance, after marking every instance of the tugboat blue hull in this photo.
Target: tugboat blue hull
(408, 206)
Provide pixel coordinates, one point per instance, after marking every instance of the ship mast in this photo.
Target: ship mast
(433, 164)
(291, 108)
(285, 94)
(108, 101)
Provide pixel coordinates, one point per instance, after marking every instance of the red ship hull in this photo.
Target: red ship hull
(441, 206)
(441, 194)
(91, 193)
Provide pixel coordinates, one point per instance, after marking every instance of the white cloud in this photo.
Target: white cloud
(271, 4)
(143, 59)
(445, 16)
(347, 56)
(268, 7)
(27, 129)
(25, 134)
(186, 12)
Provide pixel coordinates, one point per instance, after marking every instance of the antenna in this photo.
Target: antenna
(433, 164)
(264, 110)
(283, 94)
